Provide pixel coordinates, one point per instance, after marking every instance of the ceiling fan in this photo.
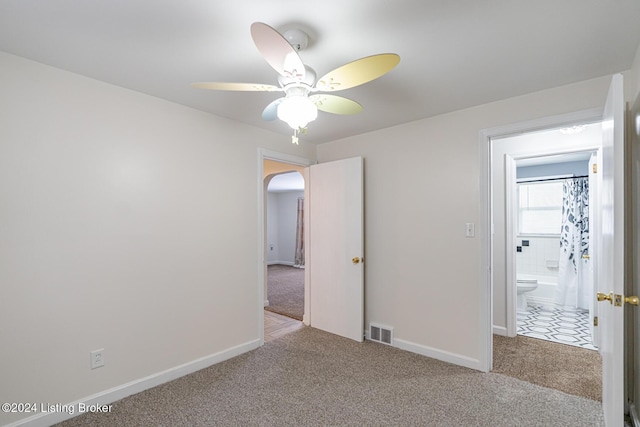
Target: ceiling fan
(301, 103)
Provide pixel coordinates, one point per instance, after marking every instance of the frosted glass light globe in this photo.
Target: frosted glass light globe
(297, 111)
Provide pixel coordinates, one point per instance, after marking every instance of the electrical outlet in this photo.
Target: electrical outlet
(470, 229)
(97, 358)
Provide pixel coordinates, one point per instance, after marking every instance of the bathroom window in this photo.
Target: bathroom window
(540, 208)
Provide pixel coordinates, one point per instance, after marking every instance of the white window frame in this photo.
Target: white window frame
(537, 181)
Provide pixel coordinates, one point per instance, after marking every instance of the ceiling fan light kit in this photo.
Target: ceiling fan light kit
(297, 111)
(297, 108)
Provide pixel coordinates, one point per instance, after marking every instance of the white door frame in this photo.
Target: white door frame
(265, 154)
(486, 215)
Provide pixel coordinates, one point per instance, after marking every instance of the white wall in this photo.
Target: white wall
(273, 236)
(422, 186)
(282, 215)
(114, 235)
(288, 218)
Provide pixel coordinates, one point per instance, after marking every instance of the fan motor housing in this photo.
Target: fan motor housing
(297, 38)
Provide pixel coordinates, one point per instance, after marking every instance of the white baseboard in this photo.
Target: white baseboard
(434, 353)
(120, 392)
(500, 330)
(541, 301)
(633, 413)
(290, 263)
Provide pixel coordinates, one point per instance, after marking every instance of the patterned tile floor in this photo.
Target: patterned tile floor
(558, 324)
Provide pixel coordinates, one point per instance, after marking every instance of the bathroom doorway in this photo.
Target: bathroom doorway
(529, 176)
(526, 191)
(551, 216)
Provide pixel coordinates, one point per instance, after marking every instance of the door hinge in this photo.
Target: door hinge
(594, 167)
(595, 320)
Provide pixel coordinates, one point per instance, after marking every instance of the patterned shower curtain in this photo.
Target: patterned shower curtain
(299, 255)
(574, 287)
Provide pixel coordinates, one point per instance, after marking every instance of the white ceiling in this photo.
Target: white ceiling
(454, 54)
(588, 135)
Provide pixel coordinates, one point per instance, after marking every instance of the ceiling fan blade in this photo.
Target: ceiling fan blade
(335, 104)
(253, 87)
(358, 72)
(277, 51)
(271, 111)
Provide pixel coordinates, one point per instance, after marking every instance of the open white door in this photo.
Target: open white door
(335, 248)
(610, 284)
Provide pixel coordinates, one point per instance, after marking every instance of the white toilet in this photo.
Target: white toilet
(523, 286)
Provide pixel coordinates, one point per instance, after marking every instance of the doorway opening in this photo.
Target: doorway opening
(549, 199)
(286, 175)
(335, 192)
(531, 307)
(285, 245)
(551, 216)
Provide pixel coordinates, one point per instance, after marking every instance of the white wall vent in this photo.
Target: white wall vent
(381, 334)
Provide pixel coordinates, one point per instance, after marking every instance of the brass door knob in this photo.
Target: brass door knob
(355, 260)
(605, 297)
(632, 300)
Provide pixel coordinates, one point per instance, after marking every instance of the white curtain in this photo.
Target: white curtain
(574, 287)
(299, 255)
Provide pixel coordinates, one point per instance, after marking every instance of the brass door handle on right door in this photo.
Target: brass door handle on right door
(633, 300)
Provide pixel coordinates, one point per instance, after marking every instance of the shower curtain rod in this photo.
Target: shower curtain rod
(524, 180)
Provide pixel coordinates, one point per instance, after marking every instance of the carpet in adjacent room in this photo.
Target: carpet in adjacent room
(285, 290)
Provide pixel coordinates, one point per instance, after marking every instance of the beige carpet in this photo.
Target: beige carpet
(285, 290)
(563, 367)
(312, 378)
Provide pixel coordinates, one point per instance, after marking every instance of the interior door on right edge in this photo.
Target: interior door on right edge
(335, 247)
(611, 267)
